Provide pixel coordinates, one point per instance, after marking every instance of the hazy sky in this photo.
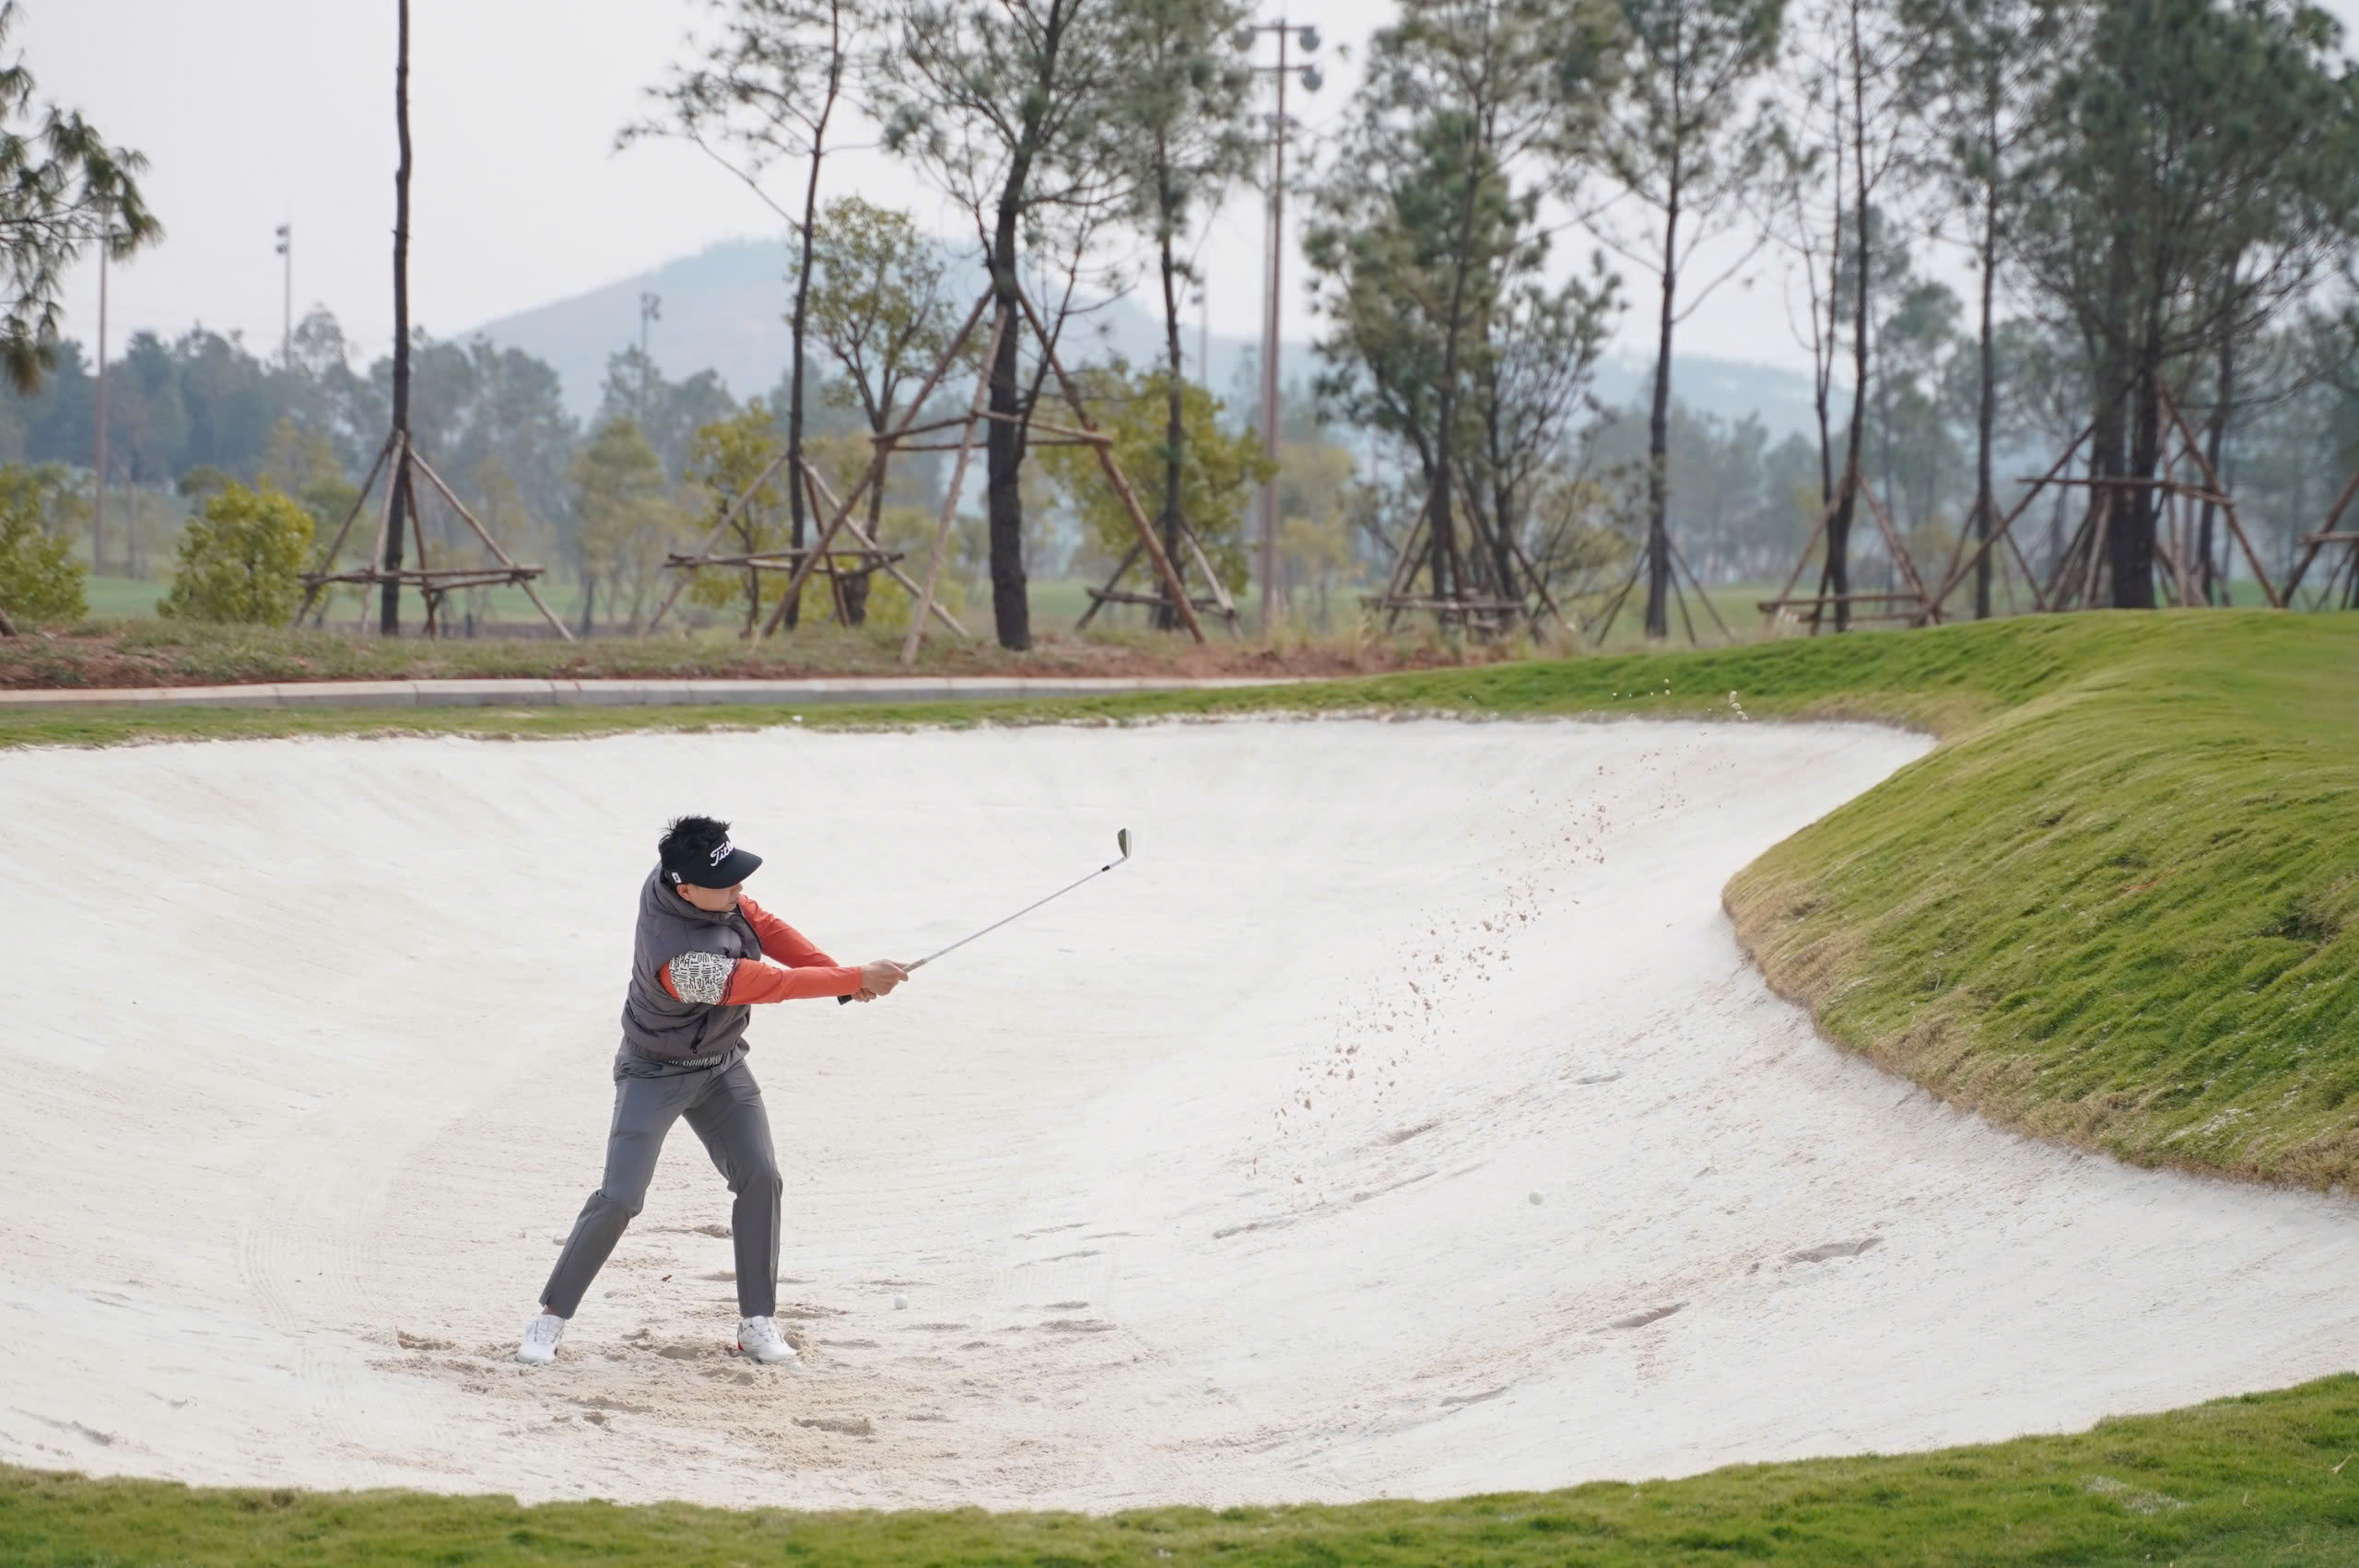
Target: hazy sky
(257, 113)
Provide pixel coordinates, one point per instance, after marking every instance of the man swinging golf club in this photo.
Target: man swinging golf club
(696, 972)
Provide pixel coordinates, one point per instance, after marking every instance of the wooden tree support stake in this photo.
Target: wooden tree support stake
(1817, 603)
(900, 438)
(875, 473)
(950, 500)
(1113, 472)
(824, 498)
(398, 461)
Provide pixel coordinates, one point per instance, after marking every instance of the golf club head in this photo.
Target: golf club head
(1123, 842)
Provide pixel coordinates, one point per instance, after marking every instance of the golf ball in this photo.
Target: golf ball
(900, 1303)
(1536, 1198)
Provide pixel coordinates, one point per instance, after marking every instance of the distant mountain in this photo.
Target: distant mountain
(724, 310)
(1729, 389)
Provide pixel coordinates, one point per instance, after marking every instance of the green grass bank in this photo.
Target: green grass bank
(2117, 909)
(2260, 1480)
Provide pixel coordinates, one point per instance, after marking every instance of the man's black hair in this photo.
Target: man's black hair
(690, 841)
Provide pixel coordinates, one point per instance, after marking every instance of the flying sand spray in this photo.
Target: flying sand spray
(1121, 843)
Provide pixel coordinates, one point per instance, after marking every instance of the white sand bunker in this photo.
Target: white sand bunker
(1402, 1120)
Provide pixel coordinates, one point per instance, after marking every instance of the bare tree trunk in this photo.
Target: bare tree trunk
(1833, 572)
(1659, 429)
(800, 315)
(389, 603)
(2131, 519)
(1884, 435)
(2056, 530)
(2214, 439)
(856, 586)
(1503, 508)
(744, 530)
(1175, 428)
(1011, 609)
(2114, 386)
(1838, 527)
(1823, 393)
(1439, 498)
(1986, 415)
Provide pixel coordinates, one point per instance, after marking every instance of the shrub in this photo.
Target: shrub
(241, 559)
(39, 581)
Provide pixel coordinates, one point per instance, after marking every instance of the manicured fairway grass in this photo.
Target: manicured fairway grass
(2119, 905)
(126, 596)
(2245, 1481)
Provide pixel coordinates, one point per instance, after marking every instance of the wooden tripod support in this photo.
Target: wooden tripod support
(2076, 578)
(908, 434)
(1476, 600)
(397, 461)
(2344, 573)
(1910, 604)
(1217, 599)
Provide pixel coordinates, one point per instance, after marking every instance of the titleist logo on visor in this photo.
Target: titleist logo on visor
(723, 850)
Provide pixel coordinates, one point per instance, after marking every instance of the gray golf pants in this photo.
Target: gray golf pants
(724, 1108)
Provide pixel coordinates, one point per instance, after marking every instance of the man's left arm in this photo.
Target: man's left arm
(781, 943)
(786, 945)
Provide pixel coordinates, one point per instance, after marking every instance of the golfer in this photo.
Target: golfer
(697, 968)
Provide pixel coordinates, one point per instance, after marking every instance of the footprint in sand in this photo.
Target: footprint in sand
(1826, 1250)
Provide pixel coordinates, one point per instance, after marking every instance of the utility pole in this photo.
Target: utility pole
(98, 504)
(1266, 503)
(651, 309)
(399, 498)
(286, 297)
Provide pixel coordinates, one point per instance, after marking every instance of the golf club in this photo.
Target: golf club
(1121, 844)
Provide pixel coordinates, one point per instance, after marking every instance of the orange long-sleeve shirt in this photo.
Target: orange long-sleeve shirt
(807, 973)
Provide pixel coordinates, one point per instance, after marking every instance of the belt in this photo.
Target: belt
(634, 1054)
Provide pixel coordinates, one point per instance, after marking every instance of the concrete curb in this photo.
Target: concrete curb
(613, 693)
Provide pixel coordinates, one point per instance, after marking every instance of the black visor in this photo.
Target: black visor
(725, 865)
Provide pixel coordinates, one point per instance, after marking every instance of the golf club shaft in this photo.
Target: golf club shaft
(1017, 916)
(912, 968)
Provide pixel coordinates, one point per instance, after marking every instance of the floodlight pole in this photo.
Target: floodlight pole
(286, 295)
(389, 610)
(1266, 503)
(651, 309)
(99, 503)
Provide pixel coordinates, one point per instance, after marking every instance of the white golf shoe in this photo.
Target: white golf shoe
(760, 1338)
(541, 1336)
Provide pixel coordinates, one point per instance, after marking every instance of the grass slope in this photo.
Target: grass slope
(2116, 912)
(2258, 1479)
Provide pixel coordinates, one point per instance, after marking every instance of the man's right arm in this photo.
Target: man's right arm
(718, 981)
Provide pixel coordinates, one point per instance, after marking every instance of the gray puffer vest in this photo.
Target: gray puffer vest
(657, 1026)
